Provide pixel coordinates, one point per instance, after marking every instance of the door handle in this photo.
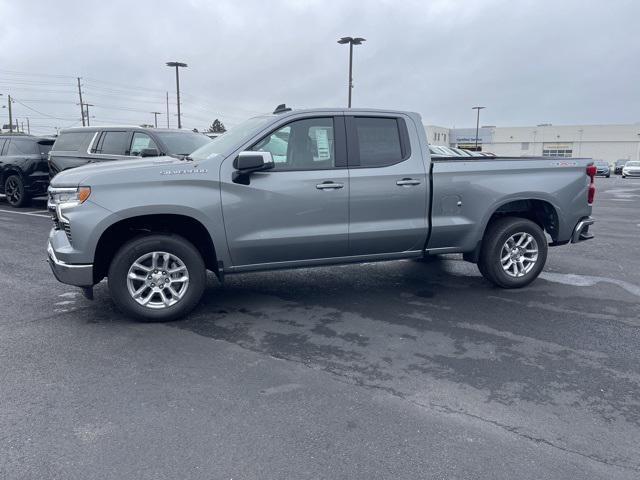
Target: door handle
(328, 185)
(407, 182)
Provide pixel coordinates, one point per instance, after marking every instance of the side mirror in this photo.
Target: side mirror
(249, 162)
(149, 152)
(253, 161)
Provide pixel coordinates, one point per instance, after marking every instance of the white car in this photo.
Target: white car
(631, 169)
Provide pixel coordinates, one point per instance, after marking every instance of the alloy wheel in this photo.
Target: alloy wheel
(158, 280)
(519, 254)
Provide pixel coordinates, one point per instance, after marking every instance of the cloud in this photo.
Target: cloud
(526, 61)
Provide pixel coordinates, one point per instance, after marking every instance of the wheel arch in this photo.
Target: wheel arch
(9, 170)
(124, 230)
(541, 211)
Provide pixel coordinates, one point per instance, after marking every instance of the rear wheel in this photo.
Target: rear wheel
(14, 191)
(514, 251)
(157, 278)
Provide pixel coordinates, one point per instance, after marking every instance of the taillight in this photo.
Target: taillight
(591, 191)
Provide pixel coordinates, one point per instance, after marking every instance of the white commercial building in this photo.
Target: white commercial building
(602, 142)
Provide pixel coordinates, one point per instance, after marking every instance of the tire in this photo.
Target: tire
(527, 267)
(609, 176)
(183, 257)
(480, 266)
(14, 191)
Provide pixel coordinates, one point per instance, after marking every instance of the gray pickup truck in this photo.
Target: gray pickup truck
(307, 188)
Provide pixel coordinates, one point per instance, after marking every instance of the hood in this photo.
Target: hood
(76, 176)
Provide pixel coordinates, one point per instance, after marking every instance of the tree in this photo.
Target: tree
(217, 127)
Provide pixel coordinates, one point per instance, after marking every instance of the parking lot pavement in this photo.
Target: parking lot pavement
(390, 370)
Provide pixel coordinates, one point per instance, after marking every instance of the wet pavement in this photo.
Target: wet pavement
(384, 370)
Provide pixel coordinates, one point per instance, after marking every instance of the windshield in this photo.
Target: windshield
(602, 164)
(182, 143)
(231, 139)
(632, 164)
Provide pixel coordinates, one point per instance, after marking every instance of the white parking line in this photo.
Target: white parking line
(32, 214)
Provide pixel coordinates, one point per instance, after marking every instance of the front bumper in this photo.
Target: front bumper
(581, 231)
(78, 275)
(634, 173)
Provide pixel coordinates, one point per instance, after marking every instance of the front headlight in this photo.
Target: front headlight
(61, 198)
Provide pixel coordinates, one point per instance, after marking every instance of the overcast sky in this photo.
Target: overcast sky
(528, 62)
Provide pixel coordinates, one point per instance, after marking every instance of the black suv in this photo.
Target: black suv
(79, 146)
(23, 167)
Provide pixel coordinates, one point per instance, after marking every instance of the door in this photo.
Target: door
(388, 184)
(298, 210)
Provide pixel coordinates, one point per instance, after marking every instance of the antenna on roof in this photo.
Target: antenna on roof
(282, 108)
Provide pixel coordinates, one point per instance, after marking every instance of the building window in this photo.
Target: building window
(524, 146)
(557, 153)
(557, 150)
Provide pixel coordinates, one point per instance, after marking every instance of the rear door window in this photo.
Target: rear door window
(112, 143)
(140, 141)
(377, 140)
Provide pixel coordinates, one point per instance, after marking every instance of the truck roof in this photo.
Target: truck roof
(345, 110)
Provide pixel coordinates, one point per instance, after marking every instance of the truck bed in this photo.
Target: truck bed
(466, 192)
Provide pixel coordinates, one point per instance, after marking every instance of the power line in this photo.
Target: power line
(37, 111)
(27, 74)
(125, 86)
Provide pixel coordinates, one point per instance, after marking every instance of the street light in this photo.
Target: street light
(177, 65)
(351, 41)
(477, 124)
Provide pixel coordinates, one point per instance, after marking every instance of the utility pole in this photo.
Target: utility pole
(28, 127)
(81, 102)
(22, 126)
(477, 124)
(10, 116)
(177, 65)
(155, 118)
(88, 105)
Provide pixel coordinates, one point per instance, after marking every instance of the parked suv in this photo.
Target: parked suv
(23, 167)
(79, 146)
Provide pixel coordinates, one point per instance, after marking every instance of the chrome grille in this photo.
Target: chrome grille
(54, 217)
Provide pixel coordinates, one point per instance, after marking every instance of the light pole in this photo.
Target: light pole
(155, 118)
(351, 41)
(477, 124)
(177, 66)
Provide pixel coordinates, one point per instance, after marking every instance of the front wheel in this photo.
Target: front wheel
(157, 278)
(514, 251)
(14, 191)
